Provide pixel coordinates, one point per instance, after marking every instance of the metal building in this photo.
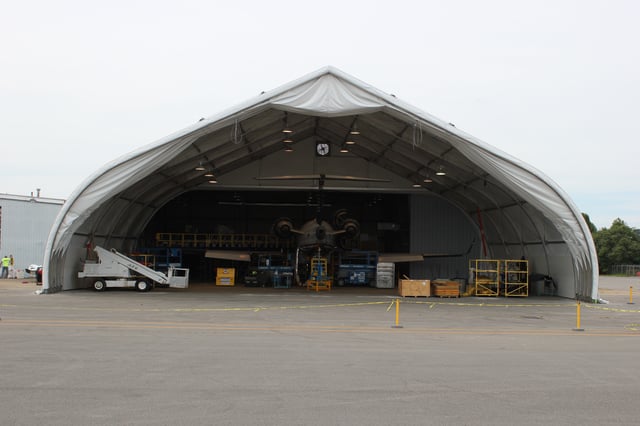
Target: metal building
(25, 223)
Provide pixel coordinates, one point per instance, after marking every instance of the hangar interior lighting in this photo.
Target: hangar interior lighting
(440, 171)
(287, 140)
(285, 127)
(288, 148)
(427, 175)
(200, 167)
(353, 131)
(354, 127)
(344, 149)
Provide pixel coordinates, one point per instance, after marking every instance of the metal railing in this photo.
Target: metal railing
(626, 270)
(215, 240)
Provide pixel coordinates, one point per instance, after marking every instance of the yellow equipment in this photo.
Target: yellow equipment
(319, 280)
(226, 276)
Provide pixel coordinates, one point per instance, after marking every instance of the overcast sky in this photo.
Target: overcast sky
(553, 83)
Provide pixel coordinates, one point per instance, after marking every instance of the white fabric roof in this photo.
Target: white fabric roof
(520, 210)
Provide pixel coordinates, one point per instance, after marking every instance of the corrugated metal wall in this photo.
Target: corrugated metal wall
(437, 226)
(25, 227)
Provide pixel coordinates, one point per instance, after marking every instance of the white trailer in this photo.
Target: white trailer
(114, 269)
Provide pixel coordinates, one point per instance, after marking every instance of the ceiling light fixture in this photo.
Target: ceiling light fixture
(214, 180)
(286, 128)
(200, 167)
(428, 180)
(440, 171)
(209, 174)
(350, 142)
(344, 149)
(416, 185)
(354, 128)
(287, 140)
(288, 148)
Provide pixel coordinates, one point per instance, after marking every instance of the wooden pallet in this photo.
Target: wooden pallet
(447, 295)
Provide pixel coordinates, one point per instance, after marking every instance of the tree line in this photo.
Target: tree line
(617, 245)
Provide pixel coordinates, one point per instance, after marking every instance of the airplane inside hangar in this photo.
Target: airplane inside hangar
(269, 238)
(330, 157)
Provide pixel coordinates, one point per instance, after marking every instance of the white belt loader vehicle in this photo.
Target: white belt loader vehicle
(113, 269)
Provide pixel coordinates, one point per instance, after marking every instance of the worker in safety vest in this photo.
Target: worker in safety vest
(6, 261)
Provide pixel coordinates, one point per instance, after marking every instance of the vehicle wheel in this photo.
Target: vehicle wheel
(142, 285)
(99, 285)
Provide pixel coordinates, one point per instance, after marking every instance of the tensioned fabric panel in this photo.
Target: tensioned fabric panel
(438, 226)
(397, 138)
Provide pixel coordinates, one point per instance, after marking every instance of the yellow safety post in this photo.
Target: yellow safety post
(630, 295)
(397, 324)
(578, 318)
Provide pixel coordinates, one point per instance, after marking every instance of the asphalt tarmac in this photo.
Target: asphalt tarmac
(240, 356)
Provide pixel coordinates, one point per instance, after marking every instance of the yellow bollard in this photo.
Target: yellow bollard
(578, 318)
(397, 325)
(630, 302)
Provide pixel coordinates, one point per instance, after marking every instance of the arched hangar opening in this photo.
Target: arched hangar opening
(415, 185)
(214, 229)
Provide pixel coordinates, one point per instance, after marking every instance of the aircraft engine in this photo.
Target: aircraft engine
(339, 218)
(351, 228)
(282, 228)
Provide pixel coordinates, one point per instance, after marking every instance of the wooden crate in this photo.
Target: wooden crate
(446, 289)
(414, 288)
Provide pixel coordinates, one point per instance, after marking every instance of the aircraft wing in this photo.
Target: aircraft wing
(228, 255)
(322, 177)
(400, 257)
(412, 257)
(416, 257)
